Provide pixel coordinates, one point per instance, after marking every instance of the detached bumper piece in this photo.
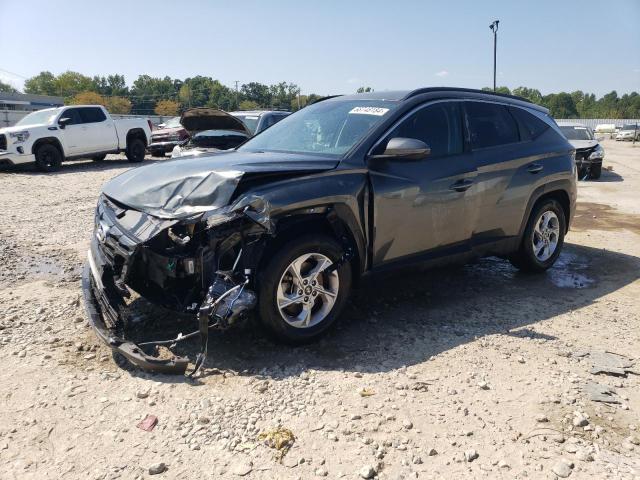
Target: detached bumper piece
(103, 300)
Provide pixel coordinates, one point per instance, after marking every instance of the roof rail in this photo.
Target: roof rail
(419, 91)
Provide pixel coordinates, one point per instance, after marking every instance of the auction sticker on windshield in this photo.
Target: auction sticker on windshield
(378, 111)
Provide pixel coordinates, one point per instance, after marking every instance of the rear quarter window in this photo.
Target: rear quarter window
(531, 127)
(490, 125)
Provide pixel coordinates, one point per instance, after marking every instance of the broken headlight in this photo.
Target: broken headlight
(597, 154)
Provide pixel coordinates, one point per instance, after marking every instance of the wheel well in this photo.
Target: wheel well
(48, 140)
(562, 198)
(304, 224)
(136, 133)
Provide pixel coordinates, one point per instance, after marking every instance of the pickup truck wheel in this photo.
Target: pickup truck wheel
(543, 238)
(298, 301)
(48, 158)
(99, 158)
(135, 150)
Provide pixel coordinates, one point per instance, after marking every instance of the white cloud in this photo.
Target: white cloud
(442, 73)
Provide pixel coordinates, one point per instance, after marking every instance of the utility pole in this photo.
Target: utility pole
(494, 29)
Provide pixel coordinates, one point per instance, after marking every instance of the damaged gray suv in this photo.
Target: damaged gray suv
(348, 186)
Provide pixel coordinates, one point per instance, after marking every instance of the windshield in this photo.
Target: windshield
(577, 133)
(173, 123)
(629, 127)
(250, 121)
(330, 127)
(38, 118)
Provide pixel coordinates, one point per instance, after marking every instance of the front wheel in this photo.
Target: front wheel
(298, 298)
(135, 150)
(48, 158)
(543, 238)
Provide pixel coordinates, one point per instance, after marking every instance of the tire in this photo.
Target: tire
(525, 258)
(99, 158)
(48, 158)
(136, 149)
(324, 310)
(596, 171)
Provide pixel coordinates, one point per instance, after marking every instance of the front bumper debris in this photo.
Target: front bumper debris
(96, 293)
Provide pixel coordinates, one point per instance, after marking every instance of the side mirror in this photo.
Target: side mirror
(62, 123)
(407, 148)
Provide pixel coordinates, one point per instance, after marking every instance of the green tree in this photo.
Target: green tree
(42, 84)
(257, 93)
(560, 105)
(248, 105)
(70, 83)
(364, 89)
(531, 94)
(147, 90)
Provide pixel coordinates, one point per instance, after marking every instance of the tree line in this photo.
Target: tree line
(170, 96)
(163, 96)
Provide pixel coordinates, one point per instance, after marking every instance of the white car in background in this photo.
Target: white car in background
(629, 132)
(49, 137)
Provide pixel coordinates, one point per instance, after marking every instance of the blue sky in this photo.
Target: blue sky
(329, 46)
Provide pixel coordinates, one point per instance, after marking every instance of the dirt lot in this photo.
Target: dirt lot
(470, 372)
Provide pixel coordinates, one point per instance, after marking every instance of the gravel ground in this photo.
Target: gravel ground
(468, 372)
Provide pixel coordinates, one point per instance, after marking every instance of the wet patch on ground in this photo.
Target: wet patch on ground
(597, 216)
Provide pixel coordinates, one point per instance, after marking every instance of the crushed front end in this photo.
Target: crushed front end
(197, 265)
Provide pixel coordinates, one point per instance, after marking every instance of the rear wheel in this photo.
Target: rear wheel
(135, 150)
(596, 171)
(543, 238)
(298, 299)
(48, 158)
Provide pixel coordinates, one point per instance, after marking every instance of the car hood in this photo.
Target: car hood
(195, 184)
(583, 144)
(200, 119)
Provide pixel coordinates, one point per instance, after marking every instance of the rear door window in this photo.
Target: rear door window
(437, 125)
(490, 125)
(92, 115)
(531, 127)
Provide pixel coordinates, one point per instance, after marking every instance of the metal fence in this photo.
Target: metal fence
(9, 118)
(593, 122)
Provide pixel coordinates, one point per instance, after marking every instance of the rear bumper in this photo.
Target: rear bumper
(10, 158)
(102, 299)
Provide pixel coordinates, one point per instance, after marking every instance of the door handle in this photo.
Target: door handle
(534, 168)
(461, 185)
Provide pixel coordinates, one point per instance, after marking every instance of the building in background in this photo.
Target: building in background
(28, 102)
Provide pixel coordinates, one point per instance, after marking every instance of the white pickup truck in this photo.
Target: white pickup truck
(48, 137)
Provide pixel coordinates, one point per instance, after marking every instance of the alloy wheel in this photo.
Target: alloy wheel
(546, 235)
(306, 294)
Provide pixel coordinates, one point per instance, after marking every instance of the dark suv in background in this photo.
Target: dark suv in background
(343, 188)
